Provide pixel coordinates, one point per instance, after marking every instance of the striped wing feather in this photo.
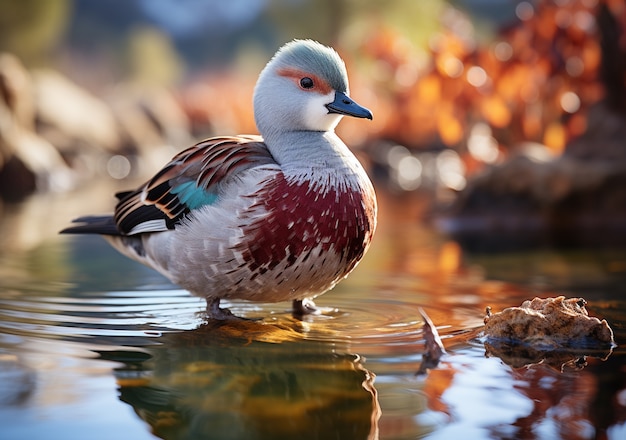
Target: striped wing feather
(188, 181)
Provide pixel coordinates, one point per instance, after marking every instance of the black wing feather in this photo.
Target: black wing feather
(104, 224)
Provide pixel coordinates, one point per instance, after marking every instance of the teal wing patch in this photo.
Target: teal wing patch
(193, 197)
(189, 181)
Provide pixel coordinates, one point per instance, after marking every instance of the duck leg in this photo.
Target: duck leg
(214, 310)
(302, 307)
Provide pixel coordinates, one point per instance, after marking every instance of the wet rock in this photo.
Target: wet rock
(549, 322)
(555, 331)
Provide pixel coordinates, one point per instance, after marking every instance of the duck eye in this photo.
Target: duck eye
(306, 83)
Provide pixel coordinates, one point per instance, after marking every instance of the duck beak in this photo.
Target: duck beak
(344, 105)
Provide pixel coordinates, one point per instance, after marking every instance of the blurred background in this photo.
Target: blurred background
(493, 118)
(498, 153)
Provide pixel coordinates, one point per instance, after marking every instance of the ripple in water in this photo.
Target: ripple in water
(109, 320)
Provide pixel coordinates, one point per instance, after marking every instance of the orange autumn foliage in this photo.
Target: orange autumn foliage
(495, 111)
(449, 127)
(527, 70)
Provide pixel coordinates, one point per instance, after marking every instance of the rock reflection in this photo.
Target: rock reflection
(244, 379)
(525, 356)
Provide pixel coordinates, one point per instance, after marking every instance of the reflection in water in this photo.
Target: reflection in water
(81, 328)
(563, 403)
(473, 397)
(519, 355)
(213, 382)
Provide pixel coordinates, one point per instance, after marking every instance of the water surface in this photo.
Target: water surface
(95, 346)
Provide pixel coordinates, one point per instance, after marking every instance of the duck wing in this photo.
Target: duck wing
(189, 181)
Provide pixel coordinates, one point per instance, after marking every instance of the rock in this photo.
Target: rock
(550, 322)
(554, 331)
(55, 134)
(71, 118)
(531, 200)
(152, 123)
(604, 138)
(28, 162)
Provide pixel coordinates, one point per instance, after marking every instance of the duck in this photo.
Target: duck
(280, 216)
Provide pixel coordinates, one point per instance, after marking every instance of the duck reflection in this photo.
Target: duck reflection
(245, 379)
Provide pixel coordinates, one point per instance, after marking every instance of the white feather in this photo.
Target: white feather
(316, 114)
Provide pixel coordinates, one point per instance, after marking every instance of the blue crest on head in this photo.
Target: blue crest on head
(321, 60)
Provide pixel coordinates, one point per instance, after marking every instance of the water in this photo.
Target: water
(94, 346)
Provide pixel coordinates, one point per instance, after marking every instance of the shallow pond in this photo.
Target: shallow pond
(95, 346)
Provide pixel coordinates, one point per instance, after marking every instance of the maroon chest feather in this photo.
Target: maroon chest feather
(306, 221)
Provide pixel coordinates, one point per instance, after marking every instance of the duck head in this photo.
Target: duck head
(304, 87)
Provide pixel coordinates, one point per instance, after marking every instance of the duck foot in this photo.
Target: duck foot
(214, 311)
(303, 307)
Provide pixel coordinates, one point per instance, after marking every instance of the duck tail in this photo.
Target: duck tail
(93, 224)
